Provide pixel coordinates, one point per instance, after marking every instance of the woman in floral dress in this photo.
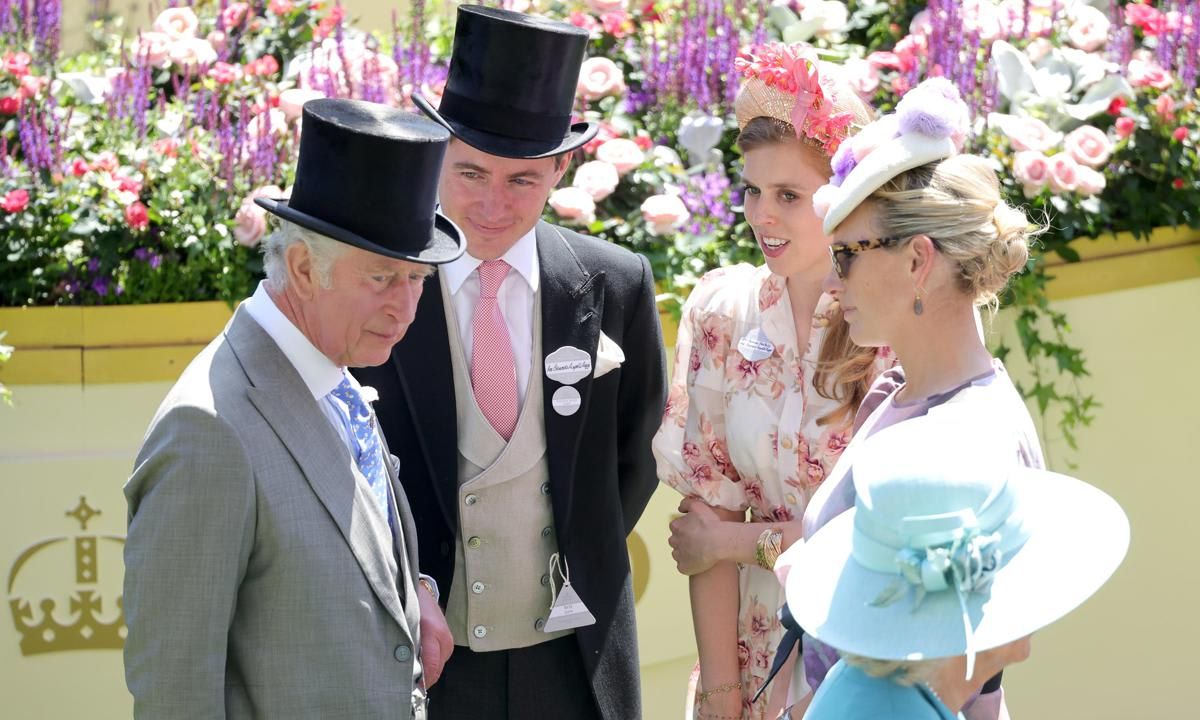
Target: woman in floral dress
(765, 385)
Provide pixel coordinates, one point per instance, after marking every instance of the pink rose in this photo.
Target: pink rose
(1090, 182)
(105, 160)
(136, 216)
(1165, 107)
(1180, 134)
(177, 23)
(1125, 126)
(1032, 169)
(31, 85)
(1147, 73)
(1150, 20)
(600, 77)
(1028, 133)
(291, 102)
(1090, 28)
(281, 7)
(14, 201)
(225, 73)
(622, 154)
(234, 15)
(10, 105)
(250, 224)
(602, 6)
(1088, 145)
(597, 178)
(616, 23)
(192, 51)
(574, 204)
(664, 214)
(861, 75)
(1064, 173)
(152, 48)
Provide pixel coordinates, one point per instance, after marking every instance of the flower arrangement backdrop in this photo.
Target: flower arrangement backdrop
(127, 171)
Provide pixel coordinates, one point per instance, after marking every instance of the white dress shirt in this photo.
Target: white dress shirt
(516, 298)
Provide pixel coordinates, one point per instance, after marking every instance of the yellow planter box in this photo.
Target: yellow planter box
(1120, 262)
(106, 344)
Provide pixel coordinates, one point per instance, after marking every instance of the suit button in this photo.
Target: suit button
(471, 499)
(545, 488)
(474, 542)
(539, 624)
(403, 653)
(477, 587)
(545, 580)
(480, 631)
(546, 531)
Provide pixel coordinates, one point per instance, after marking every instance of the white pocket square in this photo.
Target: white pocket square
(609, 356)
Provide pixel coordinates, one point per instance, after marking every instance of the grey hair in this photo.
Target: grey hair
(901, 672)
(323, 251)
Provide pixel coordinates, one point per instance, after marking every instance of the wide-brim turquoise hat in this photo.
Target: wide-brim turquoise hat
(951, 548)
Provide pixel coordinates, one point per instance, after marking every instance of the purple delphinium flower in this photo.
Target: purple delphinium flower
(141, 254)
(100, 286)
(1191, 47)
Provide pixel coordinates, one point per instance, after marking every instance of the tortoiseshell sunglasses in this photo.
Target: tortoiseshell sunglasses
(842, 254)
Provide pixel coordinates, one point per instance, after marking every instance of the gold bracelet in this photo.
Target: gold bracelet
(704, 696)
(769, 547)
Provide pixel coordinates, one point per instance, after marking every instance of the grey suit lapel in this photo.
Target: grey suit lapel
(288, 407)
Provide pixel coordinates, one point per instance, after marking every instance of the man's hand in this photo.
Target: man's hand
(436, 641)
(695, 538)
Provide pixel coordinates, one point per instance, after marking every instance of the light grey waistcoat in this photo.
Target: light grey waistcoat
(500, 594)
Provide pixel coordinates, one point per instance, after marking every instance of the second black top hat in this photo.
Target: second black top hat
(511, 86)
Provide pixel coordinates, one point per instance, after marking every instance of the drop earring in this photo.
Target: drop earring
(918, 306)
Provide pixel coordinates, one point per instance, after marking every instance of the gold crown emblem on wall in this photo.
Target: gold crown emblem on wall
(84, 628)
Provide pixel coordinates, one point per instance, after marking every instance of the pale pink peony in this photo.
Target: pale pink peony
(192, 52)
(1089, 30)
(861, 75)
(600, 77)
(291, 101)
(1032, 169)
(574, 204)
(1088, 146)
(622, 154)
(151, 48)
(1147, 73)
(1090, 182)
(664, 214)
(1027, 133)
(177, 23)
(597, 178)
(602, 6)
(1064, 173)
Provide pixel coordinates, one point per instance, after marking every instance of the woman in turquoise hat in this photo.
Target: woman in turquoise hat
(952, 557)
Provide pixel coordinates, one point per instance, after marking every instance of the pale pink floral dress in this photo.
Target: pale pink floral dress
(743, 434)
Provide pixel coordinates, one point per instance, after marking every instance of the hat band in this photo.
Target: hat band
(503, 119)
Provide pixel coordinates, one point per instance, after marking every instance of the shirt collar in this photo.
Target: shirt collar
(320, 374)
(522, 257)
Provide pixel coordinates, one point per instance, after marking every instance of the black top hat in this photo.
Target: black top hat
(512, 84)
(368, 176)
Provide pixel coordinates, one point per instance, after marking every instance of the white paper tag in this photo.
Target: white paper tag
(566, 401)
(756, 345)
(568, 365)
(568, 612)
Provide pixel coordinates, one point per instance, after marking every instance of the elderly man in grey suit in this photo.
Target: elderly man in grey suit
(271, 563)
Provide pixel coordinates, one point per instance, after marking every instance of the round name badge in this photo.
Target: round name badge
(568, 365)
(756, 345)
(566, 400)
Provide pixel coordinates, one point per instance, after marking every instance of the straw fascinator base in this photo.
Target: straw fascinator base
(878, 580)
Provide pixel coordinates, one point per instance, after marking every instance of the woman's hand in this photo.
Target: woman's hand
(696, 538)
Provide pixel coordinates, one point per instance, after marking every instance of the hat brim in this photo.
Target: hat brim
(444, 244)
(1078, 537)
(885, 162)
(504, 146)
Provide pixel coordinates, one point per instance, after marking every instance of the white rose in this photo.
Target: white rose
(192, 52)
(177, 23)
(827, 16)
(1089, 31)
(597, 178)
(574, 204)
(664, 214)
(624, 155)
(291, 102)
(600, 77)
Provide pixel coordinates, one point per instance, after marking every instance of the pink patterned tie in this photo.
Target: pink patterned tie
(493, 370)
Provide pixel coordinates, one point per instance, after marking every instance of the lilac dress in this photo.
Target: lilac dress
(990, 402)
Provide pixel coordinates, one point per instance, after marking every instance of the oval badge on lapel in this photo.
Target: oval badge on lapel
(566, 401)
(568, 365)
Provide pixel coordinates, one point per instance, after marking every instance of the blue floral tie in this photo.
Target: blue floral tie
(368, 450)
